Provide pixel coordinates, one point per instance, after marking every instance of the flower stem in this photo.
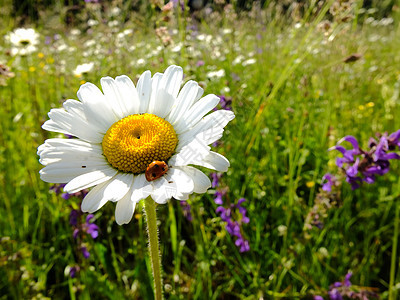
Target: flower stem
(152, 231)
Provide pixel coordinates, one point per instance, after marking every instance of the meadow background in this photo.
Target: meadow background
(298, 75)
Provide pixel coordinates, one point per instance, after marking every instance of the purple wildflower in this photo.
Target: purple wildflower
(242, 244)
(47, 40)
(363, 166)
(91, 228)
(233, 227)
(215, 179)
(73, 217)
(75, 233)
(346, 281)
(85, 252)
(225, 102)
(344, 290)
(186, 210)
(199, 63)
(218, 197)
(73, 271)
(334, 294)
(330, 181)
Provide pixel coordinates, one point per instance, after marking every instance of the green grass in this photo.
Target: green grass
(295, 102)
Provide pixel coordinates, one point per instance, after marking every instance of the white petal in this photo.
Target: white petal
(94, 200)
(193, 153)
(154, 99)
(125, 209)
(81, 158)
(200, 92)
(164, 104)
(70, 152)
(162, 191)
(63, 172)
(144, 91)
(72, 124)
(186, 98)
(97, 107)
(111, 190)
(196, 112)
(201, 181)
(176, 183)
(183, 182)
(209, 129)
(129, 94)
(64, 144)
(75, 107)
(113, 96)
(171, 80)
(141, 188)
(216, 162)
(90, 179)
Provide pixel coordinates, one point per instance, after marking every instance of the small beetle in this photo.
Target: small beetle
(155, 170)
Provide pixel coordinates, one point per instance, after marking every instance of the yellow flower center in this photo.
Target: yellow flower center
(134, 142)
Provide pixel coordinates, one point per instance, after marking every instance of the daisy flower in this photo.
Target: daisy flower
(82, 69)
(23, 40)
(134, 142)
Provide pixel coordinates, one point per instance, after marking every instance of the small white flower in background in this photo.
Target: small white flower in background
(115, 11)
(216, 74)
(177, 48)
(282, 229)
(140, 62)
(23, 41)
(238, 59)
(83, 69)
(225, 90)
(134, 142)
(248, 62)
(92, 22)
(113, 23)
(227, 31)
(75, 32)
(89, 43)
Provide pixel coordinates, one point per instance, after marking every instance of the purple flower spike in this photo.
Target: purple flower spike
(220, 210)
(352, 140)
(91, 228)
(241, 200)
(354, 182)
(75, 233)
(348, 155)
(215, 179)
(73, 271)
(334, 294)
(65, 196)
(218, 198)
(353, 170)
(89, 217)
(346, 281)
(85, 252)
(186, 209)
(317, 297)
(394, 138)
(73, 217)
(327, 186)
(243, 245)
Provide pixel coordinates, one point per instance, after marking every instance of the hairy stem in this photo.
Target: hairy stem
(152, 231)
